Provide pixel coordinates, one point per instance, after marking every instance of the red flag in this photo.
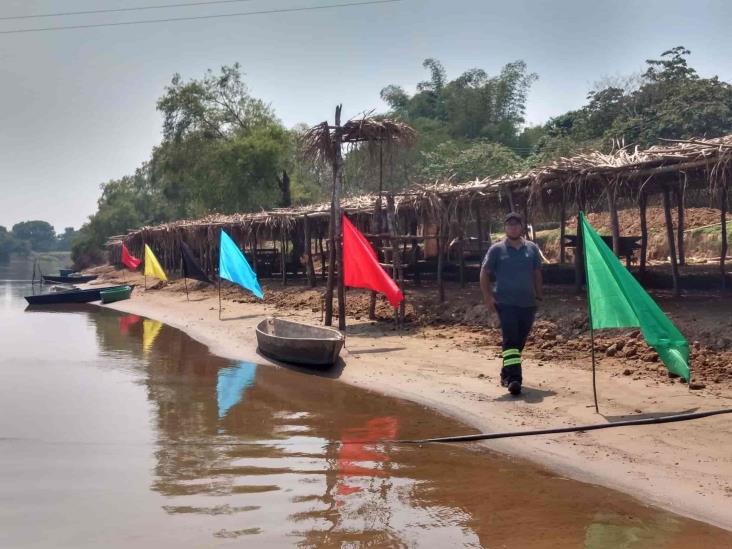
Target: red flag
(361, 267)
(129, 260)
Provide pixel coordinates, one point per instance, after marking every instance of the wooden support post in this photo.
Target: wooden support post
(723, 250)
(680, 193)
(255, 265)
(395, 247)
(525, 214)
(338, 183)
(509, 193)
(671, 240)
(376, 229)
(614, 221)
(309, 268)
(479, 226)
(335, 250)
(322, 254)
(341, 280)
(642, 206)
(461, 248)
(562, 229)
(283, 255)
(414, 259)
(441, 238)
(579, 260)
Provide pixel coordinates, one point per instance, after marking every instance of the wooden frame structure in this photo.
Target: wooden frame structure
(588, 181)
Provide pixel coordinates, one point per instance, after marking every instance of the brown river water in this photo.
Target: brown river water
(118, 431)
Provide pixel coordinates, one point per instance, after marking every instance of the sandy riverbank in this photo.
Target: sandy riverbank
(683, 467)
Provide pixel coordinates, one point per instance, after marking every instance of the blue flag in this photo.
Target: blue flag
(233, 266)
(231, 384)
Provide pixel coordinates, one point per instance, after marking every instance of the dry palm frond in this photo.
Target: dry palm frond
(319, 141)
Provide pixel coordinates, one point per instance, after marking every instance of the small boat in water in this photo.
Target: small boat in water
(69, 279)
(298, 343)
(119, 293)
(71, 296)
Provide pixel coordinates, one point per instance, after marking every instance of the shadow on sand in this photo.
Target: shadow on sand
(528, 394)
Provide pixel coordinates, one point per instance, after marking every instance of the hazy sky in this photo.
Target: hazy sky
(77, 107)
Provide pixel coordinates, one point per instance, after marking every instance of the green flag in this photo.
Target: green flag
(616, 300)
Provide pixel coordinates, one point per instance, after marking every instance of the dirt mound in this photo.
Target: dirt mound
(630, 219)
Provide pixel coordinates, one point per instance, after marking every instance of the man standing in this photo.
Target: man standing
(515, 264)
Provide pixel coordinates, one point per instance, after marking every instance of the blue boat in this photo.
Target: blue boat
(71, 296)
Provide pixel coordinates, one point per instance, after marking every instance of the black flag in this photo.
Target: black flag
(191, 268)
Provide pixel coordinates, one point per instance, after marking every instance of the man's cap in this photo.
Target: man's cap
(515, 216)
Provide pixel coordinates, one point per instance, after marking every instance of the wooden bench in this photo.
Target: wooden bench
(267, 259)
(628, 245)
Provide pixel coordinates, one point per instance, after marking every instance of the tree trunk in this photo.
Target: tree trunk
(723, 250)
(670, 239)
(680, 192)
(309, 267)
(285, 194)
(642, 206)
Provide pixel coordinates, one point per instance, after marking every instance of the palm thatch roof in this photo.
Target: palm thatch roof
(319, 141)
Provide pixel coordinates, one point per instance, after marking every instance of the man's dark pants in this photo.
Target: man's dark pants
(516, 323)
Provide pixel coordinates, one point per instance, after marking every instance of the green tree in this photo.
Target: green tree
(39, 234)
(222, 151)
(474, 105)
(667, 101)
(452, 161)
(65, 240)
(11, 245)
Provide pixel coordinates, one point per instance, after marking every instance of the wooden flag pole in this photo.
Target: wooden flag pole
(219, 298)
(581, 237)
(185, 282)
(144, 272)
(594, 382)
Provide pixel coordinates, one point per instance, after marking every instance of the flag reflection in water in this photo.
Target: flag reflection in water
(231, 384)
(126, 322)
(150, 331)
(358, 455)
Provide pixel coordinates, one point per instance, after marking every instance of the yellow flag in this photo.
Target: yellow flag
(152, 266)
(150, 331)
